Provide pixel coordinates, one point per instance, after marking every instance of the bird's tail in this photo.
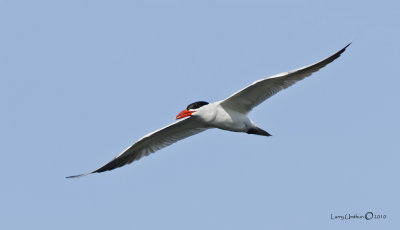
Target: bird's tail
(258, 131)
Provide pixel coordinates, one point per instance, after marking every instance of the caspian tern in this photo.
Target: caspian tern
(229, 114)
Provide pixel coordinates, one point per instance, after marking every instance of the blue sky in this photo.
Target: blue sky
(82, 80)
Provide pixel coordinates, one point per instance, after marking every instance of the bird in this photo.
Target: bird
(229, 114)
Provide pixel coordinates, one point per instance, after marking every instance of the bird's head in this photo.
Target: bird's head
(190, 109)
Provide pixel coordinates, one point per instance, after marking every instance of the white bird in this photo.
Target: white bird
(229, 114)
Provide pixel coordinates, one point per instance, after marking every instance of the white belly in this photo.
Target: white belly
(216, 116)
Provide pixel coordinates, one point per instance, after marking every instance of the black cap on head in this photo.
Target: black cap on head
(196, 105)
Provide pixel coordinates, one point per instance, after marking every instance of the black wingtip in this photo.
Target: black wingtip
(77, 176)
(337, 54)
(344, 48)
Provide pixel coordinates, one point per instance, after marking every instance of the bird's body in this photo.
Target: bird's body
(214, 115)
(229, 114)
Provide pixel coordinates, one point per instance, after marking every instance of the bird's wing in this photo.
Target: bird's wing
(152, 142)
(246, 99)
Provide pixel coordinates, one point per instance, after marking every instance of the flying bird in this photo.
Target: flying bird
(229, 114)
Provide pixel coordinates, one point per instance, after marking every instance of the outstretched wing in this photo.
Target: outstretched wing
(152, 142)
(246, 99)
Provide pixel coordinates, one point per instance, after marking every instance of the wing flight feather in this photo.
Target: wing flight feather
(246, 99)
(152, 142)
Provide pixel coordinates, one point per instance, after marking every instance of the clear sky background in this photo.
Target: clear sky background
(82, 80)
